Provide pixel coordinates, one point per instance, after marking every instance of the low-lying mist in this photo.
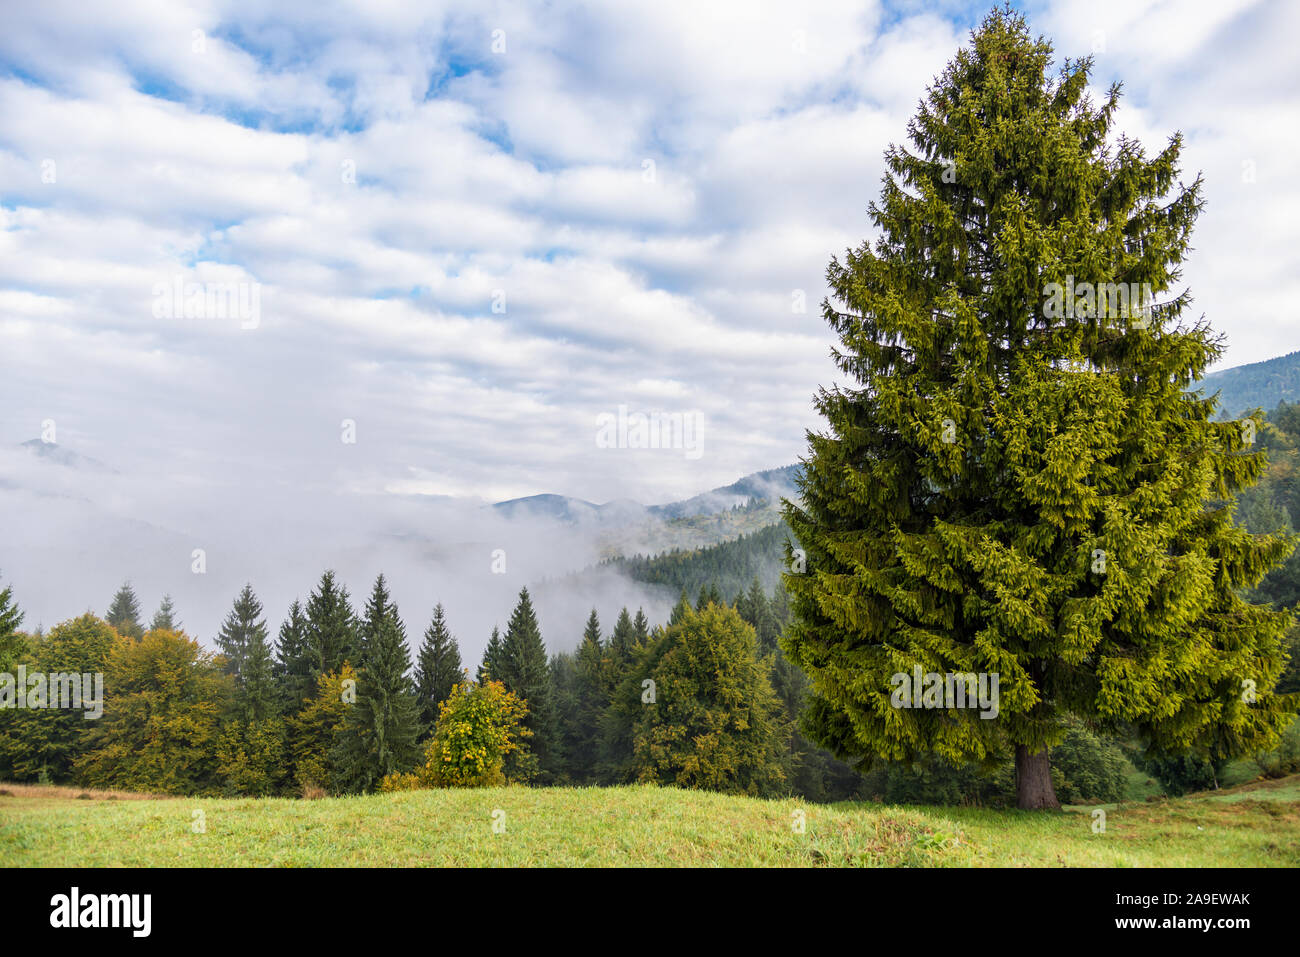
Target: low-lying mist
(75, 530)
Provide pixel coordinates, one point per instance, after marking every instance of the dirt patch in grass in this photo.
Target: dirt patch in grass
(72, 794)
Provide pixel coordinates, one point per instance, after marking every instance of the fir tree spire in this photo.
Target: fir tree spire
(242, 628)
(331, 626)
(10, 615)
(489, 668)
(592, 677)
(164, 619)
(438, 668)
(294, 662)
(124, 613)
(525, 671)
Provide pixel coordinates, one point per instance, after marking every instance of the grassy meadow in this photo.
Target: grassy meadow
(1254, 825)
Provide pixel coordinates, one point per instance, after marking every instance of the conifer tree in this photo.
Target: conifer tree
(251, 751)
(753, 607)
(295, 671)
(164, 619)
(11, 617)
(714, 721)
(525, 672)
(243, 627)
(779, 604)
(622, 640)
(489, 668)
(591, 692)
(567, 763)
(619, 718)
(679, 610)
(331, 626)
(380, 731)
(1015, 481)
(438, 668)
(257, 696)
(641, 627)
(709, 594)
(124, 613)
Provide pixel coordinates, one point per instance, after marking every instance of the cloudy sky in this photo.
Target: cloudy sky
(388, 172)
(474, 228)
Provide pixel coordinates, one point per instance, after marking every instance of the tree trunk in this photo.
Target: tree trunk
(1034, 789)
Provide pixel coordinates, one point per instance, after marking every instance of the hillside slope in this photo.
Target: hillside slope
(730, 565)
(1260, 384)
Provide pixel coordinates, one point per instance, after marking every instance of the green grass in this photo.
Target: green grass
(1257, 826)
(1138, 785)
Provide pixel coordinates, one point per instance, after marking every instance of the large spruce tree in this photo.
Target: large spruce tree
(1014, 479)
(251, 758)
(567, 763)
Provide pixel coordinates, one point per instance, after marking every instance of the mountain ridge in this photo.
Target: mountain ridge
(1255, 385)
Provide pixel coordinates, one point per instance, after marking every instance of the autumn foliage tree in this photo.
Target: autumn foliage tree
(314, 732)
(479, 725)
(46, 742)
(163, 703)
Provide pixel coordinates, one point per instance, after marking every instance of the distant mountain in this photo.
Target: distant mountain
(770, 486)
(1258, 385)
(767, 486)
(57, 454)
(558, 507)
